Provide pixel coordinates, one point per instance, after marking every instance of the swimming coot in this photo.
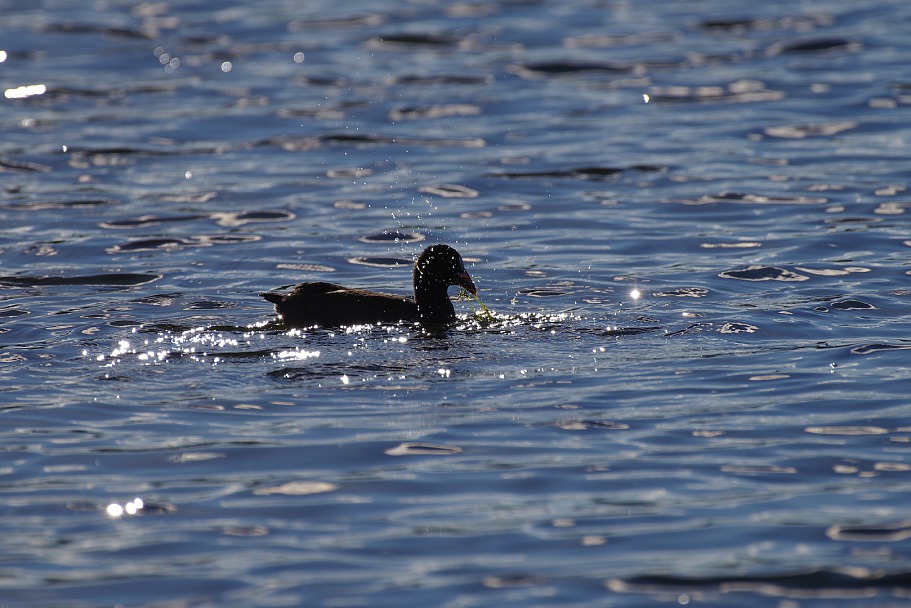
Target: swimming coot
(328, 305)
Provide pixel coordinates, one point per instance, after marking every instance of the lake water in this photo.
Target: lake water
(689, 219)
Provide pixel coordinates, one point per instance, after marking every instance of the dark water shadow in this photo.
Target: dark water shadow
(116, 279)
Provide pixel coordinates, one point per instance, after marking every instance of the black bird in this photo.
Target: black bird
(329, 305)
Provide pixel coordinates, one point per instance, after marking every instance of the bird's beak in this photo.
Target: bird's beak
(465, 281)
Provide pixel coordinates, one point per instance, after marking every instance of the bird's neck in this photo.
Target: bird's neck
(433, 302)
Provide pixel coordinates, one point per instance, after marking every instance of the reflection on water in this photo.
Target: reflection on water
(688, 222)
(130, 508)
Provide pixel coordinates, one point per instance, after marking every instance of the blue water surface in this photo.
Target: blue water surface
(689, 221)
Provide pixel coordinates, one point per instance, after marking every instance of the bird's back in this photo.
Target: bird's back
(328, 304)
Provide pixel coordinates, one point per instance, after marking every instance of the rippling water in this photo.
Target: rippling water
(689, 220)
